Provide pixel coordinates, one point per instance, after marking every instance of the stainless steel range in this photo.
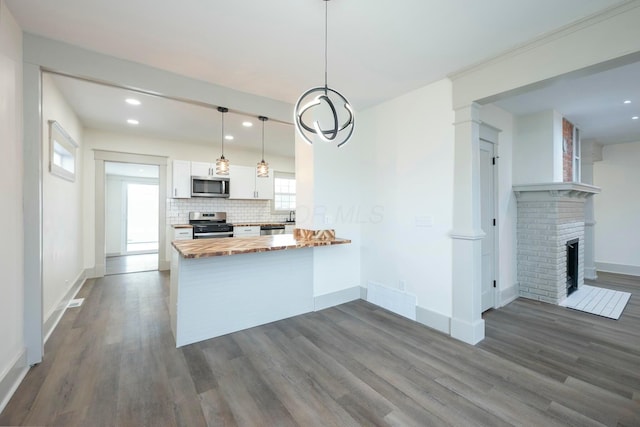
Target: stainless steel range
(210, 225)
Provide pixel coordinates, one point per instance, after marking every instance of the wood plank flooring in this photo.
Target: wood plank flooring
(112, 362)
(131, 263)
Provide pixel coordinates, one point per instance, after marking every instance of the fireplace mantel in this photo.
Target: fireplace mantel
(555, 190)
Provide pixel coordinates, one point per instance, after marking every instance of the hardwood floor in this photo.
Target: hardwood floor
(131, 263)
(112, 362)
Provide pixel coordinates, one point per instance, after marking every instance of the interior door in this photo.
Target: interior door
(487, 205)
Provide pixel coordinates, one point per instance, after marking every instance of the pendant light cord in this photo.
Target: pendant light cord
(222, 134)
(263, 140)
(326, 31)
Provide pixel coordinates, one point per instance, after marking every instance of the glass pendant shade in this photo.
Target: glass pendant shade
(222, 164)
(263, 167)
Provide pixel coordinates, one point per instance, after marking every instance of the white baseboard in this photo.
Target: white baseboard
(392, 299)
(630, 270)
(12, 377)
(434, 320)
(471, 333)
(591, 273)
(164, 265)
(363, 293)
(91, 273)
(508, 295)
(55, 316)
(336, 298)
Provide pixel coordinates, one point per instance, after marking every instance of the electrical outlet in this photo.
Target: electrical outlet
(424, 221)
(401, 285)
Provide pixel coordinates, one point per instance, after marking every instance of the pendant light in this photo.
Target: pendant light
(263, 167)
(222, 164)
(338, 127)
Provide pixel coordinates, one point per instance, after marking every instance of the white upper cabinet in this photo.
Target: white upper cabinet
(264, 186)
(244, 184)
(181, 179)
(204, 169)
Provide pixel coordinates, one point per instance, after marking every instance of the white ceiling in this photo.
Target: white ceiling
(104, 107)
(595, 103)
(377, 50)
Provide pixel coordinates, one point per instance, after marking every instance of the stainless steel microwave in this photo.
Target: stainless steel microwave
(209, 186)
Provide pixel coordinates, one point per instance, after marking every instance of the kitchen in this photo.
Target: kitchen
(188, 135)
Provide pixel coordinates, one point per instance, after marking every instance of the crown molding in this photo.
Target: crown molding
(549, 37)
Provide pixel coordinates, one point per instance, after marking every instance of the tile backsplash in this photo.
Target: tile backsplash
(237, 210)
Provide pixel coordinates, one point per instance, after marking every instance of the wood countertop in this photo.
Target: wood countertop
(182, 225)
(202, 248)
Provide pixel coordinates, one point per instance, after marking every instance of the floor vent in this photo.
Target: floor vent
(75, 303)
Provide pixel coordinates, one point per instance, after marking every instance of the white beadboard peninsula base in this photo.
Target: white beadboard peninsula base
(214, 296)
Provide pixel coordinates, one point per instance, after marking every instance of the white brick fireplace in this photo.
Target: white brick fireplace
(549, 216)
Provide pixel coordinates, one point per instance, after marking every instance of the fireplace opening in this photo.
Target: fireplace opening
(572, 266)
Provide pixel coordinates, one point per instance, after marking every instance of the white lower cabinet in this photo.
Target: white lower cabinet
(183, 233)
(248, 231)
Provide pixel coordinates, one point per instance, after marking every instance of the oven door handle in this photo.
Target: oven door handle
(196, 235)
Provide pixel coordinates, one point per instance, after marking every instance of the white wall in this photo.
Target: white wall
(328, 184)
(507, 203)
(537, 149)
(407, 169)
(617, 209)
(11, 191)
(62, 241)
(100, 140)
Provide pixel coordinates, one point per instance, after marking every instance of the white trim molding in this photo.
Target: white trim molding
(54, 317)
(508, 295)
(320, 302)
(630, 270)
(467, 235)
(12, 377)
(433, 319)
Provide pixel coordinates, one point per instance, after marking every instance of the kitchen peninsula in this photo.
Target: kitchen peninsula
(219, 286)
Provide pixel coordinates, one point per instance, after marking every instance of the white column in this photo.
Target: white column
(591, 152)
(466, 323)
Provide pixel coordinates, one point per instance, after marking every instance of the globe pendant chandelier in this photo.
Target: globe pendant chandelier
(336, 113)
(222, 164)
(263, 167)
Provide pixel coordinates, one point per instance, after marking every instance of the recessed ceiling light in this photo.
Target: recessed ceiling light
(132, 101)
(635, 118)
(133, 121)
(247, 124)
(229, 137)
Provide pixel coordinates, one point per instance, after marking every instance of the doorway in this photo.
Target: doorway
(130, 215)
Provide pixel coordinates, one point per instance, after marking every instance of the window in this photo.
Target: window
(284, 195)
(62, 152)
